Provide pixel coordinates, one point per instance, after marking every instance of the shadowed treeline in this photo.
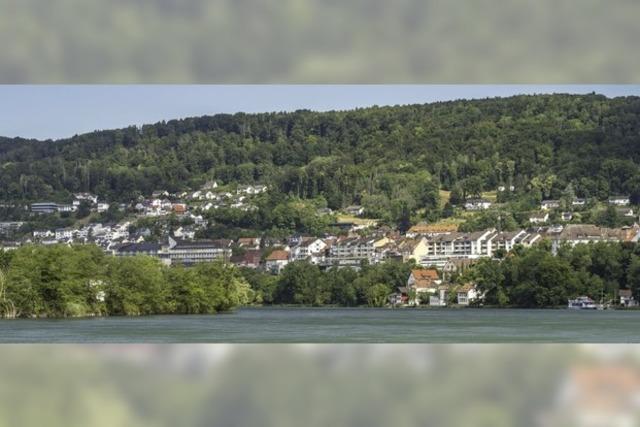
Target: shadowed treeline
(230, 41)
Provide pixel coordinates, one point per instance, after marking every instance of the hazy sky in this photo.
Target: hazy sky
(57, 111)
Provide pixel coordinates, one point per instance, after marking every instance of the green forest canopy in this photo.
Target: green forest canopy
(399, 153)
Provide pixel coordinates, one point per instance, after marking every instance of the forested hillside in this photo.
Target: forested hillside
(376, 156)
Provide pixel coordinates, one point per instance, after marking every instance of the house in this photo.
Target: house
(179, 208)
(626, 212)
(477, 204)
(539, 218)
(64, 234)
(619, 200)
(549, 204)
(276, 261)
(250, 259)
(102, 207)
(467, 294)
(209, 185)
(10, 227)
(578, 202)
(441, 298)
(413, 249)
(310, 248)
(502, 188)
(566, 216)
(626, 298)
(352, 248)
(425, 280)
(354, 210)
(159, 193)
(457, 265)
(324, 211)
(89, 198)
(249, 242)
(67, 208)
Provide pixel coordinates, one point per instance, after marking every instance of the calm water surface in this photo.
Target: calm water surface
(338, 325)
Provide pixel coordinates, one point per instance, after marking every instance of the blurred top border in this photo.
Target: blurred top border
(319, 41)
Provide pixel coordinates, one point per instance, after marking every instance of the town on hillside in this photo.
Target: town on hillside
(169, 227)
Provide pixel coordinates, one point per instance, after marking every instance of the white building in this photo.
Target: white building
(477, 204)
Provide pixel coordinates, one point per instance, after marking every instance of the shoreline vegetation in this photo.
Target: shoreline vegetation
(62, 281)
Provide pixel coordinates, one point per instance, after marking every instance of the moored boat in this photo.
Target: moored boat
(582, 303)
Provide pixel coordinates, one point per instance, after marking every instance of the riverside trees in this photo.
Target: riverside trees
(63, 281)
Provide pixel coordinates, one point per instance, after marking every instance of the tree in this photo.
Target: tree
(377, 295)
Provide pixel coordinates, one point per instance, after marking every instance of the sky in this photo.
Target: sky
(60, 111)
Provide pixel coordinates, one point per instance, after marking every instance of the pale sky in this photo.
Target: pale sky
(58, 111)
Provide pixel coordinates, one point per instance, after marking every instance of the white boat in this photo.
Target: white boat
(582, 303)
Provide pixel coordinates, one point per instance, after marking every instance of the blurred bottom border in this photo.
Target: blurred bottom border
(320, 385)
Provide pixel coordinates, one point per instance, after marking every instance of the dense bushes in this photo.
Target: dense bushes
(534, 277)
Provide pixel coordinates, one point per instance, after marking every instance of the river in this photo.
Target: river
(305, 325)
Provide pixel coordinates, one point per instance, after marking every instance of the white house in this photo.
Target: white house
(566, 216)
(619, 200)
(102, 207)
(310, 248)
(477, 204)
(539, 218)
(467, 294)
(277, 261)
(549, 204)
(354, 210)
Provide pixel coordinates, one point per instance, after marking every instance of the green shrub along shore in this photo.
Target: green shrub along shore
(81, 280)
(77, 281)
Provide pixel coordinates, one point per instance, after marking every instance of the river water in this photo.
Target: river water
(306, 325)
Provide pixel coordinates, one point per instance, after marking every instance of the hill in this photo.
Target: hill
(391, 159)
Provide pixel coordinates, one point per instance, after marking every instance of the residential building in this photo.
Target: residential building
(619, 200)
(626, 298)
(354, 210)
(188, 252)
(309, 248)
(456, 245)
(352, 248)
(249, 242)
(578, 202)
(549, 204)
(424, 280)
(477, 204)
(134, 249)
(250, 259)
(440, 299)
(102, 207)
(9, 227)
(467, 294)
(574, 234)
(276, 261)
(67, 208)
(44, 207)
(539, 218)
(64, 234)
(412, 249)
(566, 216)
